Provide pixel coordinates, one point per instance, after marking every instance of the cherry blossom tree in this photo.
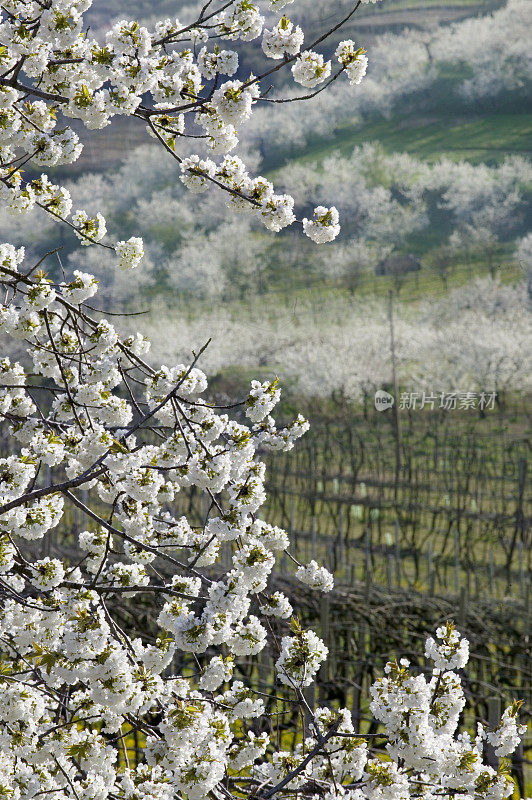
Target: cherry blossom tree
(523, 256)
(171, 79)
(342, 344)
(100, 430)
(494, 45)
(441, 262)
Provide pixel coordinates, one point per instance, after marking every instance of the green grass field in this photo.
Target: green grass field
(489, 138)
(286, 290)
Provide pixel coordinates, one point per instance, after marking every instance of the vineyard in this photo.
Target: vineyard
(437, 528)
(443, 533)
(446, 511)
(453, 515)
(364, 625)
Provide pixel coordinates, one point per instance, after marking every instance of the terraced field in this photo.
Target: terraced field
(487, 138)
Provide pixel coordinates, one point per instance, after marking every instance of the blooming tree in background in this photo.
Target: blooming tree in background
(100, 430)
(175, 79)
(524, 258)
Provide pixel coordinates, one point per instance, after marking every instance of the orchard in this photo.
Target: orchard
(98, 428)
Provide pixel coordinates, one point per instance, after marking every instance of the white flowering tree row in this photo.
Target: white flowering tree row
(173, 79)
(474, 339)
(488, 53)
(198, 257)
(97, 427)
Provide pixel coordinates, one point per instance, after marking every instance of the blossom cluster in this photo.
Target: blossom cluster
(95, 434)
(315, 576)
(120, 440)
(421, 719)
(428, 755)
(178, 78)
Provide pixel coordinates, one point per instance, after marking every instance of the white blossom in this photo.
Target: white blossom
(315, 576)
(120, 455)
(324, 227)
(283, 38)
(130, 253)
(300, 658)
(311, 69)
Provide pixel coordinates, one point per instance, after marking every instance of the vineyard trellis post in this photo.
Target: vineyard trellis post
(494, 709)
(397, 553)
(457, 560)
(395, 407)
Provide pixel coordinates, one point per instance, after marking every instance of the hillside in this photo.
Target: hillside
(386, 14)
(486, 138)
(436, 154)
